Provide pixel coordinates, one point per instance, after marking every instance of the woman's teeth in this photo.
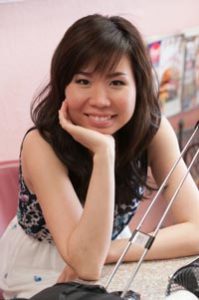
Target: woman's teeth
(100, 118)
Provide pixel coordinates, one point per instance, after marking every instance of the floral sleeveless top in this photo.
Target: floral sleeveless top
(31, 219)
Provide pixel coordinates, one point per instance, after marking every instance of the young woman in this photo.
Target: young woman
(83, 167)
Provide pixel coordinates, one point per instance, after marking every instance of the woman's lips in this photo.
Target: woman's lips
(100, 120)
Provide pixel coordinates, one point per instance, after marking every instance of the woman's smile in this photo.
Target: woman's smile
(100, 121)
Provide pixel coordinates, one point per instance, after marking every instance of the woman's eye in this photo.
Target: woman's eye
(117, 82)
(82, 81)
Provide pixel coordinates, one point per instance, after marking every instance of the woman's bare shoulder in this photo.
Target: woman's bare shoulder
(37, 151)
(34, 138)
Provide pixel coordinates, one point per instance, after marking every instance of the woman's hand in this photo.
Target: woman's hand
(68, 274)
(93, 140)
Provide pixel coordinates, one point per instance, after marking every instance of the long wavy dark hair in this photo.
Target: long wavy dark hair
(101, 40)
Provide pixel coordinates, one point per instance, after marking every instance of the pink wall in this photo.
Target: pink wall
(31, 29)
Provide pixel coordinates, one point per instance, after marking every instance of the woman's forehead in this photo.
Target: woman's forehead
(104, 65)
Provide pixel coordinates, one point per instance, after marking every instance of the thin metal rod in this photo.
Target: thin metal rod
(166, 179)
(134, 273)
(159, 225)
(148, 210)
(118, 264)
(174, 196)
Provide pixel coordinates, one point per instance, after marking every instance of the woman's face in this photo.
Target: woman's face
(102, 102)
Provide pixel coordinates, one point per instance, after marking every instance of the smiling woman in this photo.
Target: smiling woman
(83, 167)
(102, 101)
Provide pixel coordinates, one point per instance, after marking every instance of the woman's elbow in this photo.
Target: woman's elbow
(89, 274)
(86, 269)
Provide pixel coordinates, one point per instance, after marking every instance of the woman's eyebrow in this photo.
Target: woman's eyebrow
(115, 74)
(84, 73)
(109, 75)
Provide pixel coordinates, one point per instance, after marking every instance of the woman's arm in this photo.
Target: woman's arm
(182, 238)
(82, 236)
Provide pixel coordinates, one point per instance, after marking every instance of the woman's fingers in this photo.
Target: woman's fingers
(63, 115)
(91, 139)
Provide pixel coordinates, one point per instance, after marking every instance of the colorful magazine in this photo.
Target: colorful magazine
(189, 78)
(154, 53)
(171, 66)
(197, 70)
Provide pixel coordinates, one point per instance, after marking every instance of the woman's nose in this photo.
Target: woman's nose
(99, 96)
